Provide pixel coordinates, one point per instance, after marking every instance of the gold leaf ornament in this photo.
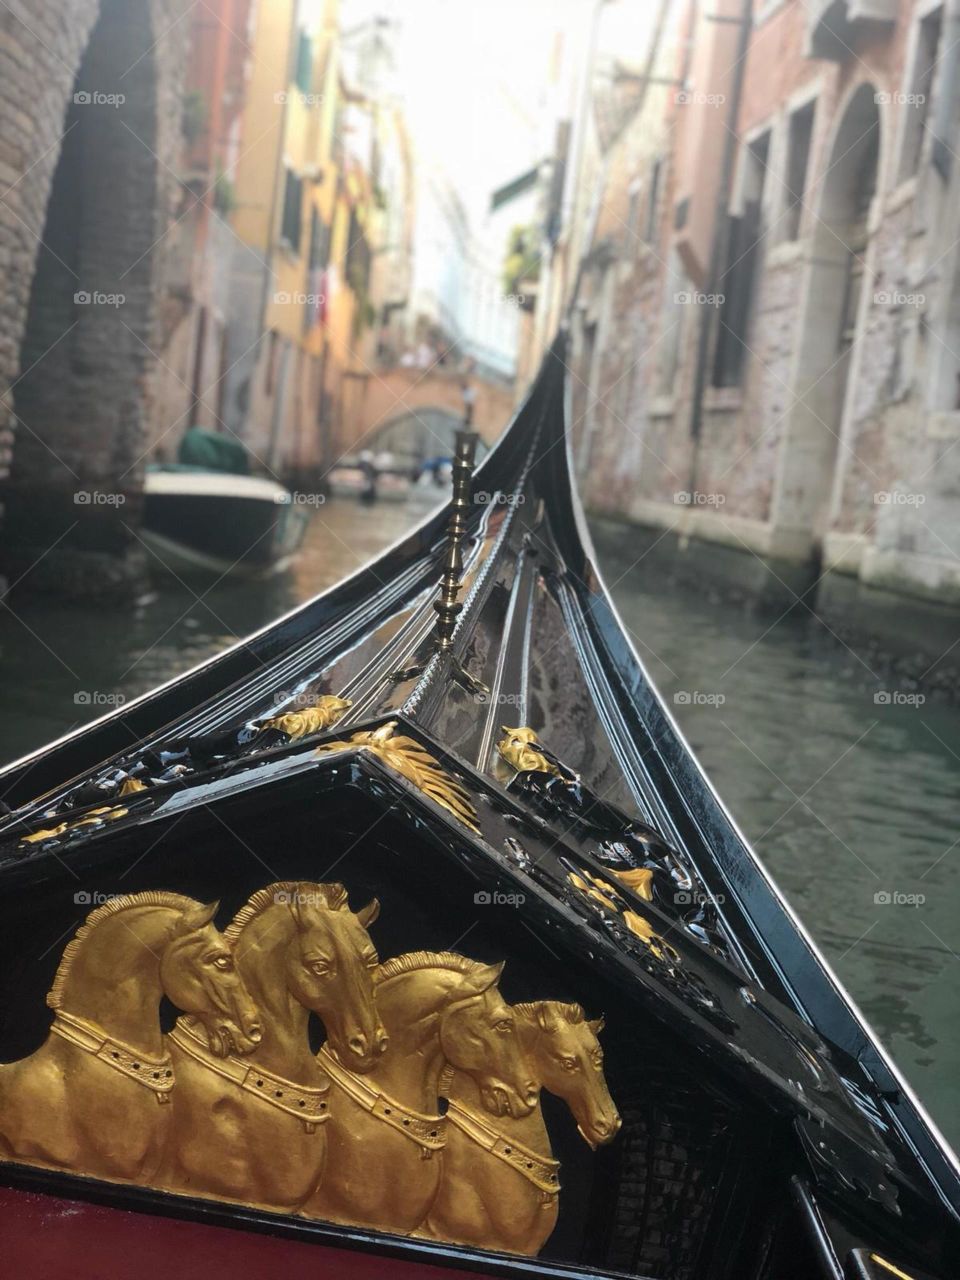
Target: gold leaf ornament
(521, 749)
(92, 819)
(326, 711)
(412, 761)
(598, 890)
(639, 879)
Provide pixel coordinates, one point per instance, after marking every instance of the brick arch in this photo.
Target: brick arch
(424, 432)
(393, 394)
(84, 223)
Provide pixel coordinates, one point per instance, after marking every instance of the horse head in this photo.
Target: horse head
(564, 1052)
(330, 968)
(478, 1036)
(198, 975)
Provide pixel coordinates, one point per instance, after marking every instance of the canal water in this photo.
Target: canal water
(848, 787)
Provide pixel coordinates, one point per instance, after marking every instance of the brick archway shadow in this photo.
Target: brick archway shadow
(79, 384)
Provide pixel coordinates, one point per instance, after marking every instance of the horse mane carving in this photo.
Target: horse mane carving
(149, 898)
(572, 1013)
(334, 896)
(413, 961)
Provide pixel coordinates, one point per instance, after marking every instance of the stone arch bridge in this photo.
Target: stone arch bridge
(400, 404)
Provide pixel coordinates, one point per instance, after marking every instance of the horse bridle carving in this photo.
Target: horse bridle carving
(309, 1105)
(428, 1132)
(155, 1074)
(541, 1171)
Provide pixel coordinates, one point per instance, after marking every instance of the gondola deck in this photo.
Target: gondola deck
(524, 797)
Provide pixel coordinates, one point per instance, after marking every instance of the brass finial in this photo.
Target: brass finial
(448, 606)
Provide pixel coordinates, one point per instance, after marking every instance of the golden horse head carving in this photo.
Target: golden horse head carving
(300, 939)
(170, 942)
(199, 976)
(563, 1052)
(479, 1036)
(105, 1055)
(441, 1011)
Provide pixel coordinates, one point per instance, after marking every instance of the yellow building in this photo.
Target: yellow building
(302, 323)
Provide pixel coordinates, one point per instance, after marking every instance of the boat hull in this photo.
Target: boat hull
(221, 524)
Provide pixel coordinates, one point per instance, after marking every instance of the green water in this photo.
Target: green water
(844, 797)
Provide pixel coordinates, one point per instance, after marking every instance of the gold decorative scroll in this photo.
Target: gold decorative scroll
(521, 748)
(233, 1104)
(108, 813)
(412, 761)
(605, 894)
(324, 713)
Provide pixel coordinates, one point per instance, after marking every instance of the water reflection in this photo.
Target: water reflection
(65, 663)
(851, 803)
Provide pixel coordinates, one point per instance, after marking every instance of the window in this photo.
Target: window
(744, 241)
(270, 370)
(292, 221)
(800, 133)
(653, 200)
(916, 97)
(678, 301)
(319, 242)
(303, 73)
(358, 259)
(632, 227)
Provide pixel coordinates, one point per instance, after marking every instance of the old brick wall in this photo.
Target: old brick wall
(90, 155)
(788, 444)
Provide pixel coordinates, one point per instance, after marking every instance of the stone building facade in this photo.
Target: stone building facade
(92, 109)
(766, 337)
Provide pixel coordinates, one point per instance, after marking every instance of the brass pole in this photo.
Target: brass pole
(448, 606)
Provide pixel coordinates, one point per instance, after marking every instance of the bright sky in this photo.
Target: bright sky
(473, 77)
(470, 76)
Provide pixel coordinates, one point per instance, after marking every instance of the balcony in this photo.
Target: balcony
(836, 27)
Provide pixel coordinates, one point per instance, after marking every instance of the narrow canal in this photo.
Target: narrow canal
(850, 798)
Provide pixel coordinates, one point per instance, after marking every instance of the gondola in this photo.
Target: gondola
(407, 937)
